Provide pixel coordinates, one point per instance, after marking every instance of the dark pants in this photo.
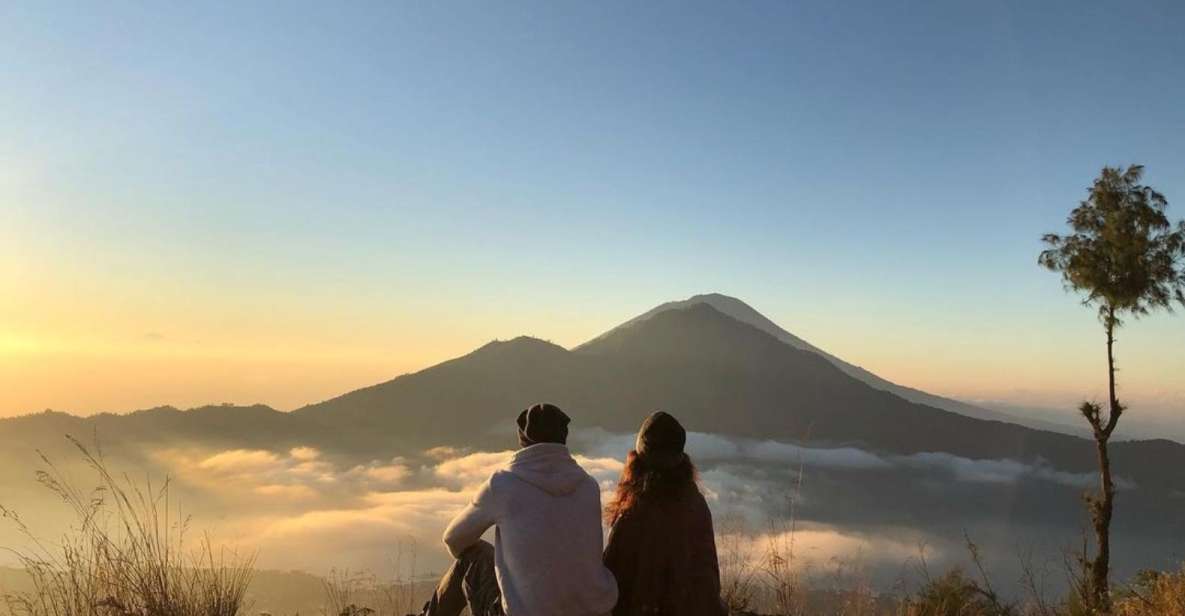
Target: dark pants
(470, 581)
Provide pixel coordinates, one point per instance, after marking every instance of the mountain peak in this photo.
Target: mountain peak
(743, 312)
(694, 329)
(519, 344)
(725, 304)
(708, 298)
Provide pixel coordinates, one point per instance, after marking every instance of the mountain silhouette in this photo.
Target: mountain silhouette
(717, 373)
(744, 313)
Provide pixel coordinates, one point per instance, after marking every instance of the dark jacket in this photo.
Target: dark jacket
(663, 555)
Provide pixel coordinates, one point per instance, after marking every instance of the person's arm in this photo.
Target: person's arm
(621, 559)
(473, 521)
(618, 545)
(705, 568)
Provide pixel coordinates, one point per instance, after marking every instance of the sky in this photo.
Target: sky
(280, 202)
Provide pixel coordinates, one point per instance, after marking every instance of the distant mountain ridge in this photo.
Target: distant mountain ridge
(719, 374)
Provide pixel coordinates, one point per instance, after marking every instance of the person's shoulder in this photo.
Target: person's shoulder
(590, 484)
(499, 479)
(701, 512)
(691, 503)
(499, 482)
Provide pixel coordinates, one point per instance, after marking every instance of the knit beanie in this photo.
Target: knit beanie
(542, 423)
(661, 440)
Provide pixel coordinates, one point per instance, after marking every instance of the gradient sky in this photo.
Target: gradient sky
(278, 202)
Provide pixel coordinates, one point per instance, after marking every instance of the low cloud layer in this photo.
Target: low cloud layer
(301, 474)
(712, 448)
(320, 512)
(303, 508)
(1003, 471)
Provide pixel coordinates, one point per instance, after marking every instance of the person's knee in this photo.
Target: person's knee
(481, 582)
(480, 550)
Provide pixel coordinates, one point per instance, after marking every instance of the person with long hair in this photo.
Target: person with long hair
(662, 548)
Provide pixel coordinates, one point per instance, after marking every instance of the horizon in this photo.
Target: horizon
(1035, 405)
(279, 205)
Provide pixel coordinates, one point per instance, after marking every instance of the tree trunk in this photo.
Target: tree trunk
(1103, 505)
(1101, 515)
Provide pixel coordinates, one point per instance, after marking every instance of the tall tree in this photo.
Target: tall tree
(1126, 257)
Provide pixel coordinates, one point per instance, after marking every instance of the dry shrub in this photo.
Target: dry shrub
(1154, 593)
(951, 594)
(125, 555)
(955, 593)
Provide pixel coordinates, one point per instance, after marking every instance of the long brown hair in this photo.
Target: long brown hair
(641, 481)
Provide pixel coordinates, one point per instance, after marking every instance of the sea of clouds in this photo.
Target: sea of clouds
(307, 509)
(304, 508)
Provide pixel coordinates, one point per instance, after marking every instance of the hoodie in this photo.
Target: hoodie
(547, 544)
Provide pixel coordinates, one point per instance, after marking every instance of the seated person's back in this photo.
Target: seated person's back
(662, 548)
(547, 546)
(546, 511)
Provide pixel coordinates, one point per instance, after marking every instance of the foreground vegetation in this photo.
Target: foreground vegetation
(769, 584)
(125, 555)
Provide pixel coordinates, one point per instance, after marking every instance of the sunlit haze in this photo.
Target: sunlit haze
(276, 203)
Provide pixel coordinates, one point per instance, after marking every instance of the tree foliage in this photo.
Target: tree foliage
(1124, 254)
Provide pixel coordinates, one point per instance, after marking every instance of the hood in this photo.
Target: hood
(549, 467)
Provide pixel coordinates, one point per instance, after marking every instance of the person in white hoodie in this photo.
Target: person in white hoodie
(546, 512)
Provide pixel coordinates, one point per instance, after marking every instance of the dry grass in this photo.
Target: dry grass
(1154, 593)
(852, 592)
(126, 555)
(364, 593)
(953, 594)
(738, 565)
(783, 577)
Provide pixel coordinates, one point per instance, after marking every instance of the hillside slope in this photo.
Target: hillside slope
(745, 313)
